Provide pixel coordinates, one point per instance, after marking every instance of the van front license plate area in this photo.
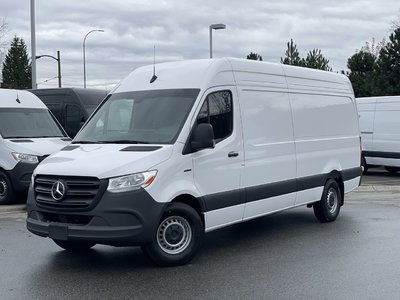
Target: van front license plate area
(58, 232)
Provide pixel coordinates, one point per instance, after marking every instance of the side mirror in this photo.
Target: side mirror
(203, 137)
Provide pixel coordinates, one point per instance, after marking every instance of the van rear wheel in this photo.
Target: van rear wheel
(392, 170)
(74, 246)
(7, 193)
(328, 208)
(179, 235)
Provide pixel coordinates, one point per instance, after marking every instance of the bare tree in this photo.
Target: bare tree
(373, 47)
(395, 23)
(3, 42)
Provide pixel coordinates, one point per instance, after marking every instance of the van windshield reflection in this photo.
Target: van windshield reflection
(28, 123)
(142, 117)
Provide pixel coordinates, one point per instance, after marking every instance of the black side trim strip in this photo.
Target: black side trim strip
(349, 174)
(269, 190)
(264, 191)
(141, 148)
(382, 154)
(224, 199)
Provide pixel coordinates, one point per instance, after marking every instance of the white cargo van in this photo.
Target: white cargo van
(198, 146)
(28, 133)
(380, 131)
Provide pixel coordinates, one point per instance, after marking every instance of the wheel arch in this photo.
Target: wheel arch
(337, 176)
(193, 202)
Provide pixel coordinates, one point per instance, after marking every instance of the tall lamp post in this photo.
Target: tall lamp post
(59, 65)
(84, 55)
(216, 27)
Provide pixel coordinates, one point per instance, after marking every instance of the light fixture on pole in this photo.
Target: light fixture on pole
(215, 27)
(59, 65)
(84, 54)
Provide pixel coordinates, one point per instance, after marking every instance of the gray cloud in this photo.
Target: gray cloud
(179, 29)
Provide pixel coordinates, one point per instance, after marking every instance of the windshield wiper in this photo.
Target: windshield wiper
(122, 142)
(111, 142)
(83, 142)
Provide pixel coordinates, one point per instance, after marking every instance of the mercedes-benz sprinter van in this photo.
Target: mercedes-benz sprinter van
(28, 133)
(71, 106)
(196, 146)
(380, 131)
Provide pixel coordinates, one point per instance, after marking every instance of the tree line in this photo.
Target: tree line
(374, 70)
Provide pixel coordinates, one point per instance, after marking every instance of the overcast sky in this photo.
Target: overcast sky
(180, 30)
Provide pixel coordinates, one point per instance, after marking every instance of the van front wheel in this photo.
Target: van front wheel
(392, 170)
(328, 208)
(178, 237)
(7, 193)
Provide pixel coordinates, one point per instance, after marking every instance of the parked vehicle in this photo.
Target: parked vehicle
(196, 146)
(380, 131)
(71, 106)
(28, 133)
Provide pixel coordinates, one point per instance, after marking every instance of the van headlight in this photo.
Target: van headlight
(26, 158)
(131, 182)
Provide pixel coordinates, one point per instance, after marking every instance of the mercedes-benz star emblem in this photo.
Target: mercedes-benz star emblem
(58, 190)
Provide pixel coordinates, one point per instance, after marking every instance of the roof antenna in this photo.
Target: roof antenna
(154, 66)
(18, 101)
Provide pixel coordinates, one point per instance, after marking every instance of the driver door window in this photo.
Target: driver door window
(217, 111)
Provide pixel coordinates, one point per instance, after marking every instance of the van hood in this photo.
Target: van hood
(36, 146)
(103, 160)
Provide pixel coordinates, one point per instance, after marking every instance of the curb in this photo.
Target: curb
(12, 208)
(378, 188)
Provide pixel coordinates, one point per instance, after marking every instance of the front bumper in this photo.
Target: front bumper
(21, 175)
(118, 219)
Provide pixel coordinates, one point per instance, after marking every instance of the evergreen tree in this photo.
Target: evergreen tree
(17, 71)
(292, 56)
(362, 66)
(388, 66)
(254, 56)
(316, 60)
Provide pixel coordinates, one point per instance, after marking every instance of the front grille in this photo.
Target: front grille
(80, 192)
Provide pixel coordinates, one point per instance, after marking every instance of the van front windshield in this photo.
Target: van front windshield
(141, 117)
(28, 123)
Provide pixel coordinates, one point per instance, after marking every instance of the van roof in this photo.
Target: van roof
(19, 99)
(204, 73)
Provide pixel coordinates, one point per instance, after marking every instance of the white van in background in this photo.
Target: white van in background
(197, 146)
(380, 131)
(28, 133)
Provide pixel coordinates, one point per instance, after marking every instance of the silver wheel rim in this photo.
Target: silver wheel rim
(332, 200)
(3, 188)
(174, 235)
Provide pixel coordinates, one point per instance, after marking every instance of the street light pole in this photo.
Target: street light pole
(33, 44)
(215, 27)
(84, 54)
(58, 59)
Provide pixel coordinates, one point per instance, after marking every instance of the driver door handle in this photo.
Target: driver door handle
(233, 154)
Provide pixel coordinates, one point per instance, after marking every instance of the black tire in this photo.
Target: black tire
(74, 246)
(179, 236)
(328, 208)
(392, 170)
(7, 193)
(364, 165)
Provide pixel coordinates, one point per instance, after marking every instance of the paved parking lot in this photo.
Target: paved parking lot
(284, 256)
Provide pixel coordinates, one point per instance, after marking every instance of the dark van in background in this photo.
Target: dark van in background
(71, 106)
